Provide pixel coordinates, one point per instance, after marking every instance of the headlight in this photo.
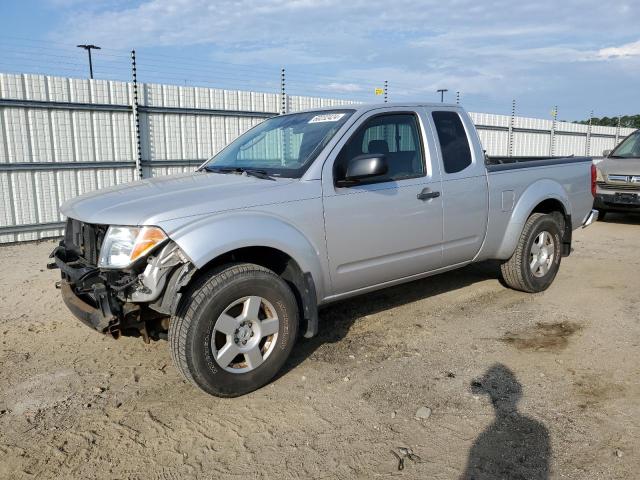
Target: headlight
(124, 245)
(599, 177)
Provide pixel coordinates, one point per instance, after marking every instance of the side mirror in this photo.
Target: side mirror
(366, 166)
(606, 153)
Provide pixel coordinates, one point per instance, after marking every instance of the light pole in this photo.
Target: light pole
(88, 49)
(441, 92)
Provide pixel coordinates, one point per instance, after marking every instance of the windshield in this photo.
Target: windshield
(629, 148)
(281, 146)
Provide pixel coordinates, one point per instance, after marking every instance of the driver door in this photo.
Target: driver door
(389, 227)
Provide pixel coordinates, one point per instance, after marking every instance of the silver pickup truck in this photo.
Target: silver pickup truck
(230, 263)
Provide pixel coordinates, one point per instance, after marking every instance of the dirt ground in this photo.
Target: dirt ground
(75, 404)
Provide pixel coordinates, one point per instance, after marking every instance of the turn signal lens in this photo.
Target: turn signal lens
(147, 239)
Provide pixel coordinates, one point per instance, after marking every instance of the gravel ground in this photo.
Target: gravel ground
(467, 377)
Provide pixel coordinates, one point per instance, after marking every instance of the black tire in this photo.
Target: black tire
(601, 214)
(517, 272)
(192, 327)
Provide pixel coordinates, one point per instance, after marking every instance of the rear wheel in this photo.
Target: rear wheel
(234, 330)
(601, 214)
(536, 260)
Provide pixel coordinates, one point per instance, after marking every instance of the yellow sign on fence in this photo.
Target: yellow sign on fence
(379, 91)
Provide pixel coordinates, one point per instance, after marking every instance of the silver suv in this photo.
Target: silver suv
(618, 178)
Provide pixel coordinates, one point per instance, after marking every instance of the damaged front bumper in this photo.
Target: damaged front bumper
(92, 295)
(98, 317)
(129, 303)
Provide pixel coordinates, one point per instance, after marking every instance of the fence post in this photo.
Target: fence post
(386, 91)
(136, 116)
(283, 94)
(511, 123)
(588, 143)
(286, 138)
(617, 132)
(552, 142)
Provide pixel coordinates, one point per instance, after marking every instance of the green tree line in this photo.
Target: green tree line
(631, 121)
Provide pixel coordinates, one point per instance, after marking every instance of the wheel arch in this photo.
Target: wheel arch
(264, 240)
(543, 196)
(286, 267)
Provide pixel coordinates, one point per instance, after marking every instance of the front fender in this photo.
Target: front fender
(536, 193)
(205, 238)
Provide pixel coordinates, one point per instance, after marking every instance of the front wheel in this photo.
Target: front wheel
(234, 330)
(536, 260)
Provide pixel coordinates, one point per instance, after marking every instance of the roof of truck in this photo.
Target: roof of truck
(374, 106)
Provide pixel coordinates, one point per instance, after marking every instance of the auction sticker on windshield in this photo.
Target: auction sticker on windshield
(327, 117)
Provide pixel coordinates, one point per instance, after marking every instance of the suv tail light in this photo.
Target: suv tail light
(593, 180)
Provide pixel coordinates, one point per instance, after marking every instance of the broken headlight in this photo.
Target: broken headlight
(124, 245)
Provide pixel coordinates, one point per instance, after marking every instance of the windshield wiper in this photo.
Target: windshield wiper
(239, 170)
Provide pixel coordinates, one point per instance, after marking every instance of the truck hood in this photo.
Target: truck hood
(619, 166)
(149, 202)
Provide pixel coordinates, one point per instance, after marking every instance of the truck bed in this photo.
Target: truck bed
(496, 164)
(517, 184)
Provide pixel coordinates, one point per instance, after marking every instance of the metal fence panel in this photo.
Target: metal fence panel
(61, 137)
(569, 144)
(535, 144)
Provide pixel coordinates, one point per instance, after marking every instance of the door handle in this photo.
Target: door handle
(427, 194)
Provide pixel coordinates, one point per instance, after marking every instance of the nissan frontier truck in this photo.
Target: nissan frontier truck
(231, 262)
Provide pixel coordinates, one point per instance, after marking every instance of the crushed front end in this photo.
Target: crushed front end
(135, 300)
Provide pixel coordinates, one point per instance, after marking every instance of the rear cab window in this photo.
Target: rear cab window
(454, 143)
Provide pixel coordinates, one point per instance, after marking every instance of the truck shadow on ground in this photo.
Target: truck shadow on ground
(337, 319)
(514, 446)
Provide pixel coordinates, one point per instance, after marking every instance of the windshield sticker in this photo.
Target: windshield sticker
(327, 117)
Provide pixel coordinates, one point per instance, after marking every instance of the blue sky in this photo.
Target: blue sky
(579, 55)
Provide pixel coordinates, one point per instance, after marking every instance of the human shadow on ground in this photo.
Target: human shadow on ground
(514, 446)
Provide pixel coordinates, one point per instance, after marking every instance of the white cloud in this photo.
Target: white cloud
(627, 50)
(496, 49)
(342, 87)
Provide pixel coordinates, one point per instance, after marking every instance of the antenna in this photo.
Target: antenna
(88, 48)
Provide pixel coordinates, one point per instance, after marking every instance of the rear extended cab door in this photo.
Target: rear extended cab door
(464, 182)
(381, 231)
